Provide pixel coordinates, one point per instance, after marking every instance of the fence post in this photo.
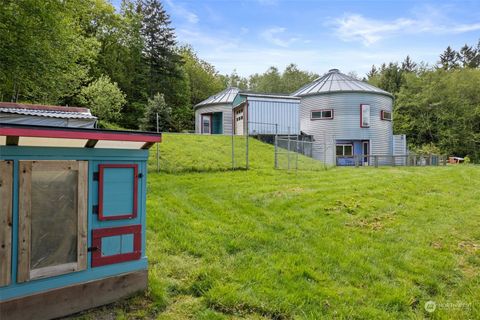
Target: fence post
(288, 153)
(158, 150)
(246, 113)
(276, 152)
(415, 160)
(375, 159)
(296, 154)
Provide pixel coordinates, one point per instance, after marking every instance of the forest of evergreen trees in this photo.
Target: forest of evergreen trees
(126, 66)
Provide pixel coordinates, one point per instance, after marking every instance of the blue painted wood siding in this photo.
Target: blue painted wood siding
(95, 157)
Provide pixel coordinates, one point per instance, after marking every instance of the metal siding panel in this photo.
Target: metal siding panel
(346, 122)
(285, 114)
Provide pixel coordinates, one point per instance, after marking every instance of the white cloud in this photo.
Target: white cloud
(355, 27)
(182, 12)
(272, 35)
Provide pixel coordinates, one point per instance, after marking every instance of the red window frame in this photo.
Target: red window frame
(133, 214)
(382, 115)
(361, 115)
(97, 235)
(321, 110)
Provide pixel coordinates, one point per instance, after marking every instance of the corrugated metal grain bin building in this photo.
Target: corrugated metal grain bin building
(214, 115)
(72, 218)
(347, 117)
(265, 114)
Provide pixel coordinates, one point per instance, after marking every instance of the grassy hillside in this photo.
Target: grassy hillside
(197, 153)
(347, 243)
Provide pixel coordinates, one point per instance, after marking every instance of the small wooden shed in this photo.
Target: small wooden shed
(72, 218)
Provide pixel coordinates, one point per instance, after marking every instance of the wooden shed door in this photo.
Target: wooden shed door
(117, 229)
(52, 226)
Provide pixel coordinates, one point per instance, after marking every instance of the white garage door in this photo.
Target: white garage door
(239, 128)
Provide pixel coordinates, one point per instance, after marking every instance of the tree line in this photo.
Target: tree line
(119, 64)
(127, 67)
(437, 107)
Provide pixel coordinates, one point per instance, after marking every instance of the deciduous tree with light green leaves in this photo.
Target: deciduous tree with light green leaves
(104, 98)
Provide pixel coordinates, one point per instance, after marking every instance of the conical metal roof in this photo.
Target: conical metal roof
(335, 81)
(225, 96)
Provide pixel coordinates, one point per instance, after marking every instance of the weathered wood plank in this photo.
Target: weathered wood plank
(24, 220)
(6, 188)
(64, 301)
(55, 165)
(82, 215)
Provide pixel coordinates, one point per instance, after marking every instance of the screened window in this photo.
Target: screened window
(325, 114)
(364, 115)
(386, 115)
(52, 218)
(344, 150)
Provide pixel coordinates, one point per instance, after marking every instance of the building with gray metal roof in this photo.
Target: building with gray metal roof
(347, 118)
(214, 114)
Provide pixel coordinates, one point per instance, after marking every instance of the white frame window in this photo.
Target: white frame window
(386, 115)
(344, 146)
(322, 114)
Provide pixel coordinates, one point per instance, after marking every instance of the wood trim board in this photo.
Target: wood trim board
(6, 194)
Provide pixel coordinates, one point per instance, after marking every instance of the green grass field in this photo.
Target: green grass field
(343, 243)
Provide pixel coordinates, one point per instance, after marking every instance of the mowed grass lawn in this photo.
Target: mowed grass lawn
(344, 243)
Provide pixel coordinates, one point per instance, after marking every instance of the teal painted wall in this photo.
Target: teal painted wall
(124, 243)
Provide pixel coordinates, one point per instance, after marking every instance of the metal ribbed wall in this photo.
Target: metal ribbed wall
(346, 122)
(264, 112)
(226, 109)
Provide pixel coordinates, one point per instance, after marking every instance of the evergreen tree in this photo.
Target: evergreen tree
(156, 106)
(449, 59)
(159, 47)
(468, 57)
(373, 72)
(408, 65)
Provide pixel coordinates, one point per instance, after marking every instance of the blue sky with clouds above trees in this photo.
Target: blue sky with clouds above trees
(250, 36)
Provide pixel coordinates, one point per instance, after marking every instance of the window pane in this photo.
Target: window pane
(348, 150)
(339, 150)
(54, 218)
(316, 114)
(365, 115)
(327, 113)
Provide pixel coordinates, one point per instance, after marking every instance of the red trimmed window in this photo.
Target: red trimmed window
(115, 245)
(386, 115)
(323, 114)
(117, 191)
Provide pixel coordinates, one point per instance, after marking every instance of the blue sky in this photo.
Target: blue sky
(252, 35)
